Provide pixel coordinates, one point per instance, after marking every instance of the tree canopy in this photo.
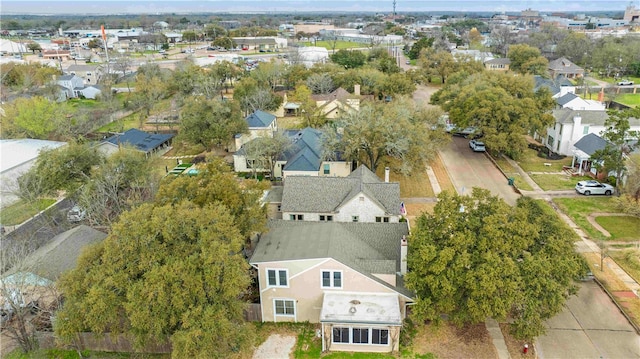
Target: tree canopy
(210, 122)
(527, 60)
(397, 134)
(502, 106)
(171, 270)
(477, 257)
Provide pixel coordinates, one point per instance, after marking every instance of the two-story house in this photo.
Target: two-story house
(359, 197)
(90, 74)
(575, 102)
(339, 101)
(500, 64)
(71, 85)
(346, 276)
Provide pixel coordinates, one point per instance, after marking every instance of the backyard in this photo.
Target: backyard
(21, 210)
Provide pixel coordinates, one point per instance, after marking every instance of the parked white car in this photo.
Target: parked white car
(625, 83)
(590, 187)
(477, 146)
(76, 214)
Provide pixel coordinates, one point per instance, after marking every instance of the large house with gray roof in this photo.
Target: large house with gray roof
(564, 67)
(346, 276)
(359, 197)
(304, 157)
(260, 124)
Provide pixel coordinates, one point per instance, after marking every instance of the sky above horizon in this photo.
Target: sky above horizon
(44, 7)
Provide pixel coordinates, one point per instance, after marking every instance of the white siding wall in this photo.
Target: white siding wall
(363, 207)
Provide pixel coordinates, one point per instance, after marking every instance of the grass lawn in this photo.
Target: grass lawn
(631, 100)
(125, 123)
(290, 123)
(510, 171)
(531, 162)
(72, 354)
(416, 185)
(83, 103)
(621, 228)
(579, 208)
(553, 181)
(21, 211)
(629, 260)
(339, 44)
(442, 175)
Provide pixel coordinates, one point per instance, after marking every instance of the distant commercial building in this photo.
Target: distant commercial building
(631, 14)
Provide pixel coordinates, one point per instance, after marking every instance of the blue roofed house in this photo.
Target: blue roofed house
(583, 149)
(148, 143)
(261, 124)
(346, 276)
(304, 157)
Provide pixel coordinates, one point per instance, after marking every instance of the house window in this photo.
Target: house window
(382, 219)
(561, 127)
(550, 141)
(360, 335)
(285, 307)
(380, 336)
(327, 168)
(585, 130)
(250, 163)
(326, 218)
(296, 217)
(355, 218)
(277, 277)
(341, 335)
(331, 279)
(279, 208)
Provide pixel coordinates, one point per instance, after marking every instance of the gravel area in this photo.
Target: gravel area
(275, 347)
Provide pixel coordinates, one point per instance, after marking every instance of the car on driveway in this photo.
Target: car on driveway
(625, 83)
(590, 187)
(477, 146)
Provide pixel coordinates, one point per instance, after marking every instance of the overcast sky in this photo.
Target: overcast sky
(188, 6)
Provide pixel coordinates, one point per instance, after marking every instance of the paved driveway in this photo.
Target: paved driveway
(470, 169)
(591, 326)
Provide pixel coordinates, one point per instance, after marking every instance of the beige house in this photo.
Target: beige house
(501, 64)
(346, 276)
(359, 197)
(339, 101)
(564, 67)
(261, 124)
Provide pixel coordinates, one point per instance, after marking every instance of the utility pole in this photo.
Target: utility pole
(394, 10)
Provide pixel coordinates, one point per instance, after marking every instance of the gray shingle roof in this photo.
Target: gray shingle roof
(591, 143)
(61, 253)
(260, 119)
(563, 65)
(566, 115)
(566, 99)
(499, 61)
(366, 247)
(327, 194)
(66, 77)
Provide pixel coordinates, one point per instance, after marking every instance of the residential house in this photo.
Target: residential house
(90, 74)
(90, 92)
(261, 124)
(558, 86)
(71, 85)
(475, 55)
(572, 125)
(583, 150)
(56, 55)
(346, 276)
(339, 101)
(564, 67)
(304, 157)
(359, 197)
(148, 143)
(500, 64)
(575, 102)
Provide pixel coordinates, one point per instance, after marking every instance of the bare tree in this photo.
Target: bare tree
(500, 39)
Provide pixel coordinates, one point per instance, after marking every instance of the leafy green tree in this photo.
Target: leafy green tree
(189, 36)
(397, 134)
(441, 64)
(150, 86)
(35, 117)
(34, 46)
(308, 107)
(265, 151)
(417, 47)
(476, 257)
(251, 96)
(527, 60)
(577, 47)
(210, 122)
(502, 106)
(65, 168)
(620, 142)
(349, 59)
(225, 42)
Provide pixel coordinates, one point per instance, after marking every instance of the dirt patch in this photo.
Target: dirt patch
(275, 347)
(516, 346)
(450, 341)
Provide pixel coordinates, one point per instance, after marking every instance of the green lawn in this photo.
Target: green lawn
(21, 211)
(531, 162)
(72, 354)
(631, 100)
(125, 123)
(553, 181)
(621, 228)
(629, 260)
(579, 208)
(512, 172)
(339, 44)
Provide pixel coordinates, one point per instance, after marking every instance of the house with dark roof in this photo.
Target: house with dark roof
(359, 197)
(564, 67)
(583, 149)
(346, 276)
(304, 157)
(148, 143)
(559, 86)
(575, 102)
(260, 124)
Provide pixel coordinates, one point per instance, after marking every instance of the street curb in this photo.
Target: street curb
(620, 308)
